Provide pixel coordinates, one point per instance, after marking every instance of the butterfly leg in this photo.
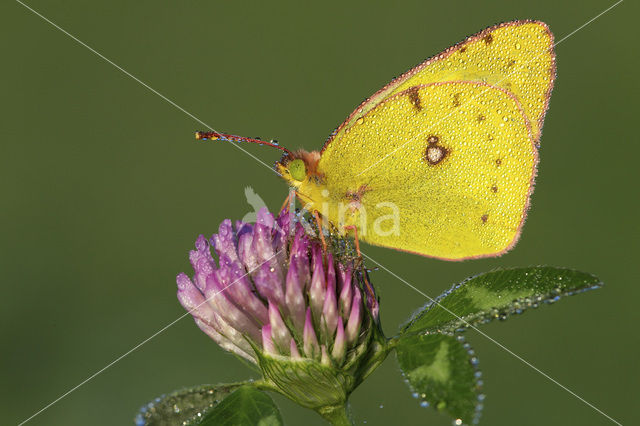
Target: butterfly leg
(287, 202)
(365, 276)
(320, 232)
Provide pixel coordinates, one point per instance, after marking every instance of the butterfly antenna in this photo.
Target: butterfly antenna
(223, 137)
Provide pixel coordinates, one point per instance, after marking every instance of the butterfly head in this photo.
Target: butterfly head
(299, 167)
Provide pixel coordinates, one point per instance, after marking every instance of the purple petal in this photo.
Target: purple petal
(355, 318)
(233, 335)
(339, 345)
(232, 277)
(242, 228)
(264, 217)
(279, 330)
(193, 300)
(269, 284)
(372, 301)
(309, 339)
(223, 341)
(346, 294)
(215, 295)
(373, 306)
(225, 241)
(195, 303)
(202, 262)
(318, 283)
(293, 349)
(267, 341)
(324, 357)
(294, 297)
(329, 319)
(262, 245)
(299, 257)
(283, 228)
(245, 240)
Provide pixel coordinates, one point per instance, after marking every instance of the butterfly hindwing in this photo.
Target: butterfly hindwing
(455, 159)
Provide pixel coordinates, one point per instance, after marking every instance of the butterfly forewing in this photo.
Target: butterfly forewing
(517, 56)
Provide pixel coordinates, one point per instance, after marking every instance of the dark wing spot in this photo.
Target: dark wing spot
(463, 49)
(487, 39)
(434, 153)
(484, 218)
(494, 188)
(414, 98)
(481, 118)
(456, 100)
(498, 162)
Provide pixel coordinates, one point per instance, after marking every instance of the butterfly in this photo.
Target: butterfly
(442, 160)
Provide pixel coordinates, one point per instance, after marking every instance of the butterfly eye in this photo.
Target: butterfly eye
(298, 170)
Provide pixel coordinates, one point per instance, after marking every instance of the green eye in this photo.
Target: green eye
(297, 169)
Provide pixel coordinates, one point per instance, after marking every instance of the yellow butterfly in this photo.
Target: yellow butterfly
(441, 161)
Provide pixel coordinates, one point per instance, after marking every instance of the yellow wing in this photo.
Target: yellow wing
(517, 56)
(443, 170)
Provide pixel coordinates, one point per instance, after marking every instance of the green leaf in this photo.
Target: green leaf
(246, 406)
(184, 405)
(442, 372)
(496, 295)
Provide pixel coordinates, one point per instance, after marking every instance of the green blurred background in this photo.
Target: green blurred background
(104, 190)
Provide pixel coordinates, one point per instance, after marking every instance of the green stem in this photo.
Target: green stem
(337, 415)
